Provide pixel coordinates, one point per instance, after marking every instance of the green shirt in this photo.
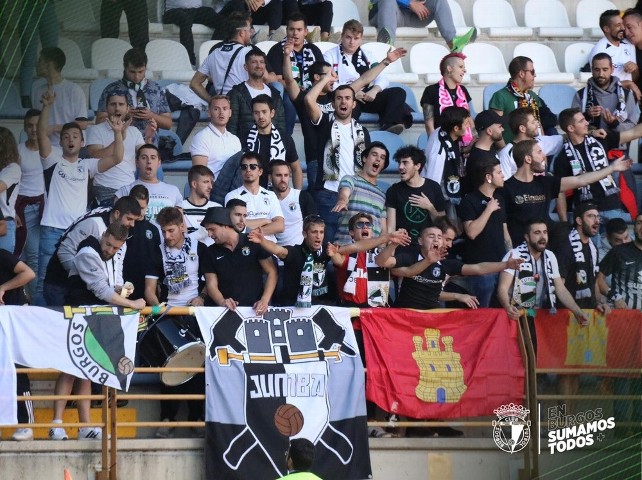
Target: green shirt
(302, 476)
(506, 102)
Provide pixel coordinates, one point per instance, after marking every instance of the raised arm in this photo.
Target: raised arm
(257, 235)
(619, 165)
(118, 127)
(44, 144)
(311, 105)
(484, 268)
(291, 86)
(371, 74)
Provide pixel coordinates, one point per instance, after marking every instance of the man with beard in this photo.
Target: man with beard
(605, 101)
(200, 180)
(620, 50)
(537, 282)
(632, 20)
(360, 193)
(238, 214)
(577, 259)
(524, 126)
(305, 265)
(241, 96)
(342, 141)
(527, 195)
(518, 92)
(269, 142)
(490, 127)
(295, 204)
(100, 144)
(94, 279)
(422, 290)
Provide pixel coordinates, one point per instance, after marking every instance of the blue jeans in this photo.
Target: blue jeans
(8, 241)
(49, 237)
(483, 287)
(326, 200)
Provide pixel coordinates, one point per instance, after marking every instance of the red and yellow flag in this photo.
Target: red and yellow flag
(611, 341)
(462, 363)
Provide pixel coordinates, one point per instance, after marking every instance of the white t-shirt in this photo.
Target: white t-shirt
(32, 182)
(346, 155)
(193, 215)
(70, 103)
(124, 172)
(619, 56)
(293, 217)
(262, 205)
(169, 4)
(161, 195)
(65, 188)
(255, 93)
(216, 146)
(10, 175)
(216, 64)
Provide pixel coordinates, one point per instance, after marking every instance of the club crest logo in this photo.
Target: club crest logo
(511, 430)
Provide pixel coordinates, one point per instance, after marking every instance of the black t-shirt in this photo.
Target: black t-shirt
(431, 97)
(527, 201)
(8, 262)
(488, 246)
(264, 144)
(293, 266)
(562, 168)
(624, 263)
(143, 255)
(414, 219)
(309, 54)
(475, 156)
(422, 291)
(576, 268)
(239, 273)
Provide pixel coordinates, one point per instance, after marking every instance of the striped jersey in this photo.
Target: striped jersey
(624, 263)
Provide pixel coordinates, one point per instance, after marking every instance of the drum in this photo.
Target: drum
(168, 343)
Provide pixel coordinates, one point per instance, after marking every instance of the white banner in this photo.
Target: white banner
(97, 343)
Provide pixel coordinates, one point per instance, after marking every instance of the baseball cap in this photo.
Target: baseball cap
(218, 215)
(487, 118)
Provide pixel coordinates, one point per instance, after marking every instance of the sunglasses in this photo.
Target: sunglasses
(361, 225)
(249, 166)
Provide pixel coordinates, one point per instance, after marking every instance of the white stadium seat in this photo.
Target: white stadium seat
(486, 63)
(170, 59)
(576, 56)
(551, 18)
(107, 54)
(344, 10)
(425, 58)
(498, 19)
(587, 15)
(74, 68)
(544, 63)
(204, 50)
(325, 46)
(265, 45)
(377, 51)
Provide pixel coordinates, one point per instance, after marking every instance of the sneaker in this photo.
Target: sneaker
(58, 433)
(165, 432)
(461, 41)
(278, 34)
(22, 435)
(90, 433)
(384, 36)
(378, 432)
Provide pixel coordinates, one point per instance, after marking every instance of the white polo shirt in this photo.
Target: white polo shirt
(262, 205)
(216, 146)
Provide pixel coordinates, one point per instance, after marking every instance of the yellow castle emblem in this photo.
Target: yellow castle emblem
(441, 375)
(587, 345)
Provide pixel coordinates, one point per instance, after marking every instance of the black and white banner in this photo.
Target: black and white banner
(291, 373)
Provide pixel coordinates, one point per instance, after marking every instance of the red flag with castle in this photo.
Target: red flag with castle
(611, 341)
(453, 364)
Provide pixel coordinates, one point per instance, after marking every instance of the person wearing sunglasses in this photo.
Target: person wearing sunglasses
(263, 207)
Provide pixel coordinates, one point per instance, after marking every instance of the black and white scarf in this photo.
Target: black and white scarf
(313, 280)
(527, 277)
(454, 167)
(358, 60)
(277, 147)
(176, 276)
(597, 159)
(377, 278)
(585, 268)
(525, 99)
(590, 100)
(331, 151)
(138, 89)
(302, 61)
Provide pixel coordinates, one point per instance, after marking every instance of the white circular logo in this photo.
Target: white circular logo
(511, 430)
